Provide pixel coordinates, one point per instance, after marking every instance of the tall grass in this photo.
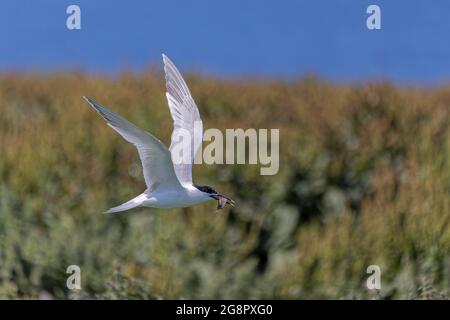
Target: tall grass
(364, 180)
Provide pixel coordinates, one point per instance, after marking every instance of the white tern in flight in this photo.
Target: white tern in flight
(169, 182)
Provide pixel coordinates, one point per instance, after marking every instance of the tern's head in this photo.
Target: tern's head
(221, 199)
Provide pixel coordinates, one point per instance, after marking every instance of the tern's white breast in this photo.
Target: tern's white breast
(184, 197)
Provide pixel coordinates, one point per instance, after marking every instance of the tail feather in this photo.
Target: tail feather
(133, 203)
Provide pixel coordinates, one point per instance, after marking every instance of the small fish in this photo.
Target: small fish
(222, 201)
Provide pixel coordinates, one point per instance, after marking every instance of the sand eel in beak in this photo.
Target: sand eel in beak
(221, 199)
(169, 181)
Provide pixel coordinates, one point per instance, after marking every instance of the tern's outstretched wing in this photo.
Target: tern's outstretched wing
(155, 157)
(186, 119)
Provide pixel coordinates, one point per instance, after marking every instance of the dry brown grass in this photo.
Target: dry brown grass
(364, 179)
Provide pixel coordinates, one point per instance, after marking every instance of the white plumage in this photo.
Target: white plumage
(169, 181)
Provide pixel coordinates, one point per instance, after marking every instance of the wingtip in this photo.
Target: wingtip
(166, 60)
(89, 100)
(92, 102)
(94, 105)
(109, 212)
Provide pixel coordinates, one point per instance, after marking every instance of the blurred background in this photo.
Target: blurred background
(364, 149)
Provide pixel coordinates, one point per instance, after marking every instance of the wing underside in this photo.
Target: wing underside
(156, 159)
(187, 122)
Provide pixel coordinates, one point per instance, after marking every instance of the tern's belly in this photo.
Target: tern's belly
(172, 200)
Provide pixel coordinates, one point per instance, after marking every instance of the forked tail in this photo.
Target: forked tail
(133, 203)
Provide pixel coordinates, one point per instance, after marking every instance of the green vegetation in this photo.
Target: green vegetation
(364, 179)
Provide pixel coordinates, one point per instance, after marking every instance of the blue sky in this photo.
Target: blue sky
(282, 39)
